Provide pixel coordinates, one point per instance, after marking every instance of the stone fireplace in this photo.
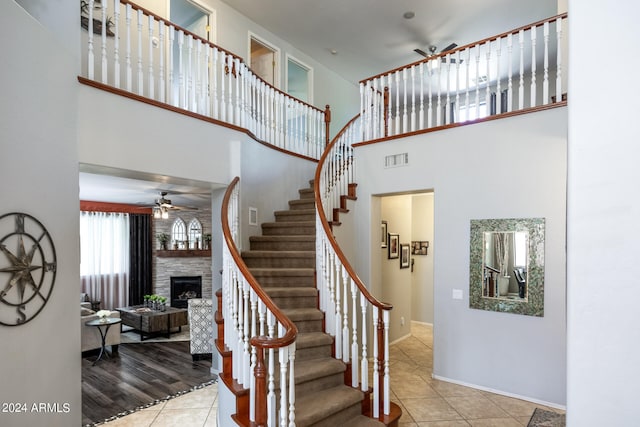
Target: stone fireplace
(184, 288)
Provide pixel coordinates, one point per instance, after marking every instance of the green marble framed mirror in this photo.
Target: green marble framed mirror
(506, 267)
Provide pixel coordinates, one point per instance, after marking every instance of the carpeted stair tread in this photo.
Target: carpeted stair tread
(279, 238)
(335, 399)
(313, 339)
(301, 204)
(278, 254)
(362, 421)
(293, 272)
(295, 215)
(309, 370)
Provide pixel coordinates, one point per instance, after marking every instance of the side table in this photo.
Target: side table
(103, 326)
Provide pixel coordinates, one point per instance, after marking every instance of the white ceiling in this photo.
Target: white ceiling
(369, 37)
(372, 36)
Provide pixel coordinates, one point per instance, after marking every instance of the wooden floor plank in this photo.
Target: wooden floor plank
(139, 375)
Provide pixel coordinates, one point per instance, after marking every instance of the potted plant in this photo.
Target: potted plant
(163, 238)
(207, 240)
(163, 303)
(146, 299)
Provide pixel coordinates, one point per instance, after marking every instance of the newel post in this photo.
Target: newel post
(260, 374)
(327, 121)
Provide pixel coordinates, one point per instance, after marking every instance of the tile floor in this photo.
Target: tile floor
(425, 402)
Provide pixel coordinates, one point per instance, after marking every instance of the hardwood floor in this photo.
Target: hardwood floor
(139, 375)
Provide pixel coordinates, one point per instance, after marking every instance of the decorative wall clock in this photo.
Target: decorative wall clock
(27, 268)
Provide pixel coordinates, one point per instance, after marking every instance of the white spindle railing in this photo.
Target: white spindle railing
(467, 83)
(256, 330)
(168, 64)
(348, 306)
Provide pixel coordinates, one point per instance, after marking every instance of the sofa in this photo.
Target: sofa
(90, 336)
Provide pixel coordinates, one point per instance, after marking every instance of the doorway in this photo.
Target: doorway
(263, 60)
(410, 217)
(299, 80)
(194, 17)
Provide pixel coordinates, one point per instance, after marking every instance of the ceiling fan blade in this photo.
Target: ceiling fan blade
(450, 47)
(421, 52)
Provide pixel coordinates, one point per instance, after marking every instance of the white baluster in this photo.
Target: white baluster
(457, 101)
(230, 88)
(397, 118)
(254, 357)
(387, 398)
(246, 355)
(214, 81)
(487, 96)
(163, 83)
(376, 367)
(292, 385)
(439, 94)
(223, 101)
(116, 43)
(140, 86)
(172, 98)
(345, 315)
(413, 98)
(421, 73)
(364, 361)
(534, 31)
(448, 99)
(521, 87)
(198, 104)
(283, 354)
(545, 79)
(181, 71)
(103, 34)
(468, 74)
(338, 331)
(129, 80)
(90, 54)
(510, 73)
(354, 336)
(271, 396)
(151, 93)
(390, 126)
(477, 48)
(498, 92)
(559, 60)
(191, 92)
(430, 109)
(405, 123)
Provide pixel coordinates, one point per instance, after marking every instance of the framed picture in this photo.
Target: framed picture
(420, 247)
(383, 234)
(405, 255)
(393, 249)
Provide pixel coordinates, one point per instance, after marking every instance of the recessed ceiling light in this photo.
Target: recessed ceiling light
(333, 51)
(408, 15)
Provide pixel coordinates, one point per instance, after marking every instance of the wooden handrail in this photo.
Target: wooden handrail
(327, 228)
(470, 45)
(291, 331)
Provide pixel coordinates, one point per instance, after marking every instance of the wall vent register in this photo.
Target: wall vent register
(396, 160)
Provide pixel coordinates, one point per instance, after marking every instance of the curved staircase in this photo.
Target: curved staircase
(283, 261)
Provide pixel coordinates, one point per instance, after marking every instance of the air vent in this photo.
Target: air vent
(396, 160)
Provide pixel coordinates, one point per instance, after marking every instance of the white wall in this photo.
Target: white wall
(510, 168)
(39, 176)
(603, 342)
(422, 276)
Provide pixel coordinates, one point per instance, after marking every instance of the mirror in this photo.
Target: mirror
(507, 265)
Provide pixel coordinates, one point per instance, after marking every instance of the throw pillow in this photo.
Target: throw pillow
(86, 312)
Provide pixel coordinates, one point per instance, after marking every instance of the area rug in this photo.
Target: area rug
(129, 336)
(155, 402)
(544, 418)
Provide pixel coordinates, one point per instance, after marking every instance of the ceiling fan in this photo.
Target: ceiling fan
(432, 52)
(164, 205)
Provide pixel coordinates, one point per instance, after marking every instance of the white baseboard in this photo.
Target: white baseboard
(502, 393)
(421, 323)
(402, 338)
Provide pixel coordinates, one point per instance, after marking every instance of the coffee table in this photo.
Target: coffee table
(153, 322)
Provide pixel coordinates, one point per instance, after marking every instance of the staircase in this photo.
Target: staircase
(283, 260)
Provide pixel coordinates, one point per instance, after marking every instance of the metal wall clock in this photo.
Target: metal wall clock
(27, 268)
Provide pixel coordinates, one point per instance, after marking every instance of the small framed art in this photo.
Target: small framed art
(405, 255)
(383, 234)
(393, 248)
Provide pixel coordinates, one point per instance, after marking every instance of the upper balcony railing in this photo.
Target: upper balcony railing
(130, 48)
(514, 71)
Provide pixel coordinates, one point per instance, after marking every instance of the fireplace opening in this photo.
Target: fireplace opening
(183, 288)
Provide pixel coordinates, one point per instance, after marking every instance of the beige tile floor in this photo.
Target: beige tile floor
(425, 402)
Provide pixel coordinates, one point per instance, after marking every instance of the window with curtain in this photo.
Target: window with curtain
(104, 257)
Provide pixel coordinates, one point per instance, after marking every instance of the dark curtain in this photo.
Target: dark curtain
(140, 257)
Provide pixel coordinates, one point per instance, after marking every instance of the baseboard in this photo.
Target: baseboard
(417, 322)
(400, 339)
(500, 392)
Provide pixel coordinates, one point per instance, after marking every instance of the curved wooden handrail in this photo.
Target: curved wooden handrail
(327, 229)
(159, 18)
(291, 331)
(470, 45)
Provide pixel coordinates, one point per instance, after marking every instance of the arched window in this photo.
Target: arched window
(195, 234)
(179, 233)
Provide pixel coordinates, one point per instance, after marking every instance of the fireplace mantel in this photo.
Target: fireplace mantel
(183, 253)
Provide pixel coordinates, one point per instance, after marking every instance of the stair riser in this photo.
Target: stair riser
(302, 204)
(340, 418)
(313, 385)
(295, 302)
(284, 245)
(313, 353)
(294, 217)
(272, 262)
(309, 325)
(306, 193)
(289, 231)
(286, 282)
